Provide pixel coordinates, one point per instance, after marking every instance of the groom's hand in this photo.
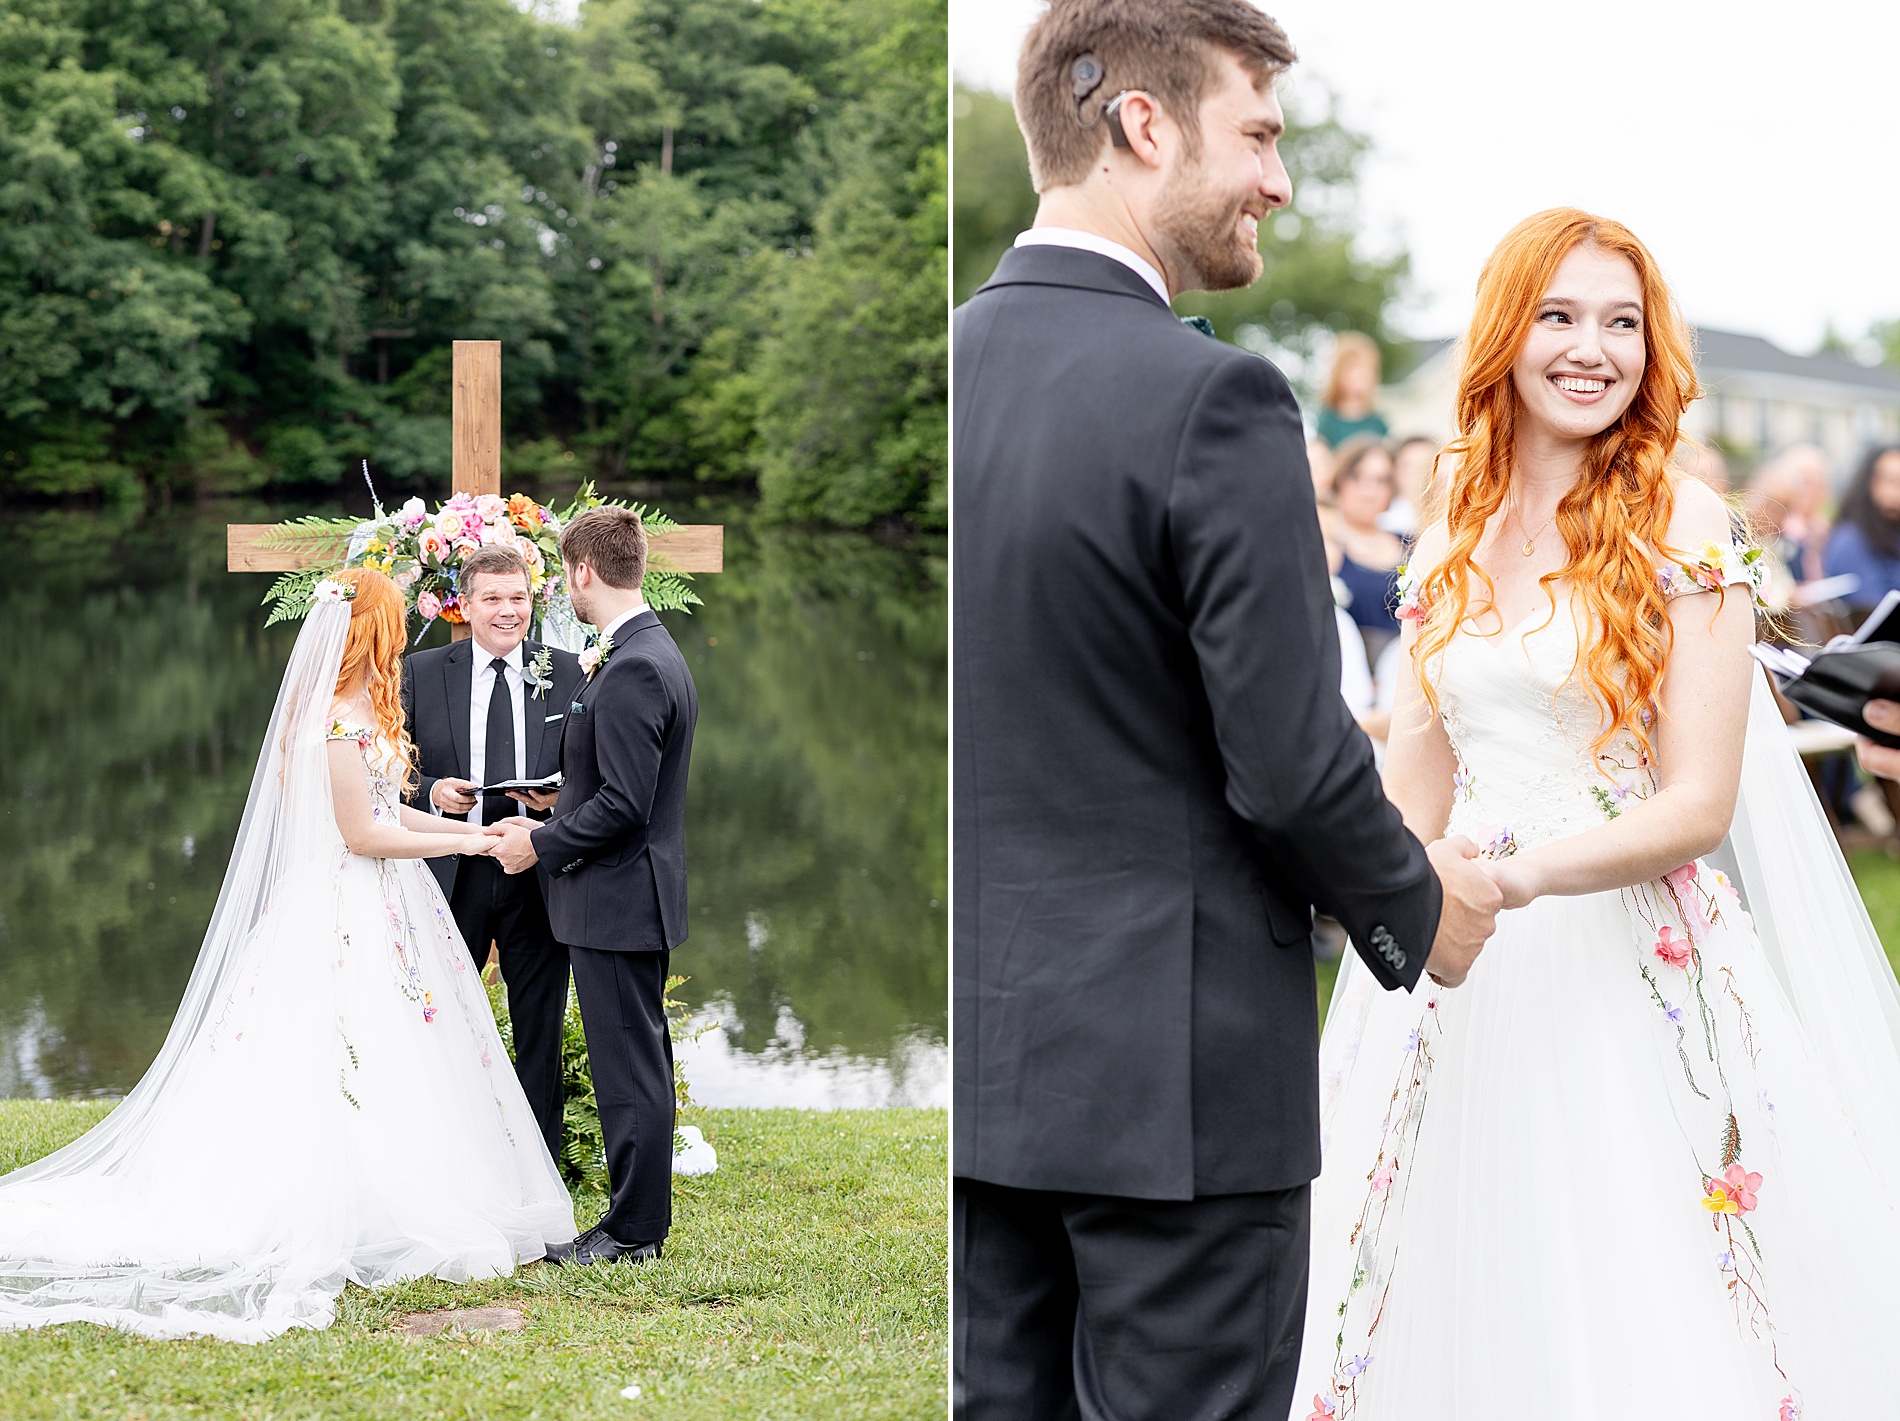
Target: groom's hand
(1470, 911)
(514, 849)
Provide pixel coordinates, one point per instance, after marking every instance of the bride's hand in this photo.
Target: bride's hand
(1514, 878)
(478, 844)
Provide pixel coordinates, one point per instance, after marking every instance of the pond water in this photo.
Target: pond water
(139, 679)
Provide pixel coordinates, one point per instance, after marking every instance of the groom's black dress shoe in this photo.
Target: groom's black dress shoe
(595, 1246)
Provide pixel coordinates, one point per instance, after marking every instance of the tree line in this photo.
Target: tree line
(238, 236)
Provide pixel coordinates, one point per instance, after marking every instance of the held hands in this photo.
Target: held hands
(1878, 759)
(512, 845)
(1470, 912)
(453, 796)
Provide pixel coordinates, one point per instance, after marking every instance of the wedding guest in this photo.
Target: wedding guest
(1345, 404)
(1787, 507)
(1356, 683)
(1411, 471)
(482, 711)
(1362, 492)
(1866, 541)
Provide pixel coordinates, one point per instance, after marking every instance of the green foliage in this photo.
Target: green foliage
(239, 238)
(805, 1280)
(1316, 279)
(994, 200)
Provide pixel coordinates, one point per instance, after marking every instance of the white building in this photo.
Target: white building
(1757, 399)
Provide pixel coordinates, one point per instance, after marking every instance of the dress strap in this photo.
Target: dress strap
(1711, 569)
(341, 730)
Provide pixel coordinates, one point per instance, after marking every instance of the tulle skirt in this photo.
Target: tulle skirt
(342, 1109)
(1604, 1178)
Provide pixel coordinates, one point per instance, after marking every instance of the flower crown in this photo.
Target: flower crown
(330, 590)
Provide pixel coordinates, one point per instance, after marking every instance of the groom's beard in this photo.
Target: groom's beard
(1199, 225)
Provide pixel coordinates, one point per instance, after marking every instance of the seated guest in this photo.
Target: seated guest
(1355, 667)
(1411, 471)
(1787, 507)
(1362, 491)
(1345, 404)
(482, 711)
(1866, 541)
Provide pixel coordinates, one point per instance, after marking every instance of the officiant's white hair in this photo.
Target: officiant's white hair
(1166, 48)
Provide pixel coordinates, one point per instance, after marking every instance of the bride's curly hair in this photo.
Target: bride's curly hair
(372, 657)
(1615, 519)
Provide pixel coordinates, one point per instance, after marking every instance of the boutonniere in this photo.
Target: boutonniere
(537, 674)
(596, 656)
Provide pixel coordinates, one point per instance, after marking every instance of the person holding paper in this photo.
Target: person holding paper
(480, 712)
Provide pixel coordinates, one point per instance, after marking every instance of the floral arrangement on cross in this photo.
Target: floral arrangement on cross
(422, 553)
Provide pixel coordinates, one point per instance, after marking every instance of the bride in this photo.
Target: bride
(333, 1103)
(1643, 1162)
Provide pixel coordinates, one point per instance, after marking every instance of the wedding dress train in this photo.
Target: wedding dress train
(1643, 1162)
(333, 1102)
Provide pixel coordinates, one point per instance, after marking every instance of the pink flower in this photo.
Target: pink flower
(432, 546)
(1790, 1409)
(1382, 1179)
(448, 522)
(1731, 1192)
(1411, 612)
(491, 506)
(472, 525)
(394, 909)
(460, 503)
(1671, 949)
(407, 578)
(1682, 882)
(1323, 1410)
(429, 605)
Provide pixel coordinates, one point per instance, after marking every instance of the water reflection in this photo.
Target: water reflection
(140, 677)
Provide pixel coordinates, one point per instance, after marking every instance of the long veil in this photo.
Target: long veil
(1796, 887)
(288, 819)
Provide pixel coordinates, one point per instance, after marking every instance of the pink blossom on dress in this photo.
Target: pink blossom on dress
(1672, 949)
(1382, 1178)
(1323, 1410)
(1682, 882)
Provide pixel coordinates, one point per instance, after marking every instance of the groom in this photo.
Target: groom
(1156, 779)
(615, 854)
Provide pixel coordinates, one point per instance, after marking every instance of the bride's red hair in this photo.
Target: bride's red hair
(1615, 519)
(372, 657)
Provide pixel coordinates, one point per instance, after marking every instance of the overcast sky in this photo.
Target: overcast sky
(1755, 148)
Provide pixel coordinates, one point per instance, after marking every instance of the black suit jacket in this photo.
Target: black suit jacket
(1155, 775)
(615, 851)
(436, 686)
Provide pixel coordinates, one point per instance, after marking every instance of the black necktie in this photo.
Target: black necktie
(498, 757)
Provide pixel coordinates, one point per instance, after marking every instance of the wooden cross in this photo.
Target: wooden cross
(477, 468)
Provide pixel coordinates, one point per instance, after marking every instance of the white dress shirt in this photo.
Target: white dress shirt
(1101, 246)
(615, 624)
(481, 688)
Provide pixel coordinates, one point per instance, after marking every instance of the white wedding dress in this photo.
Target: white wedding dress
(333, 1102)
(1643, 1163)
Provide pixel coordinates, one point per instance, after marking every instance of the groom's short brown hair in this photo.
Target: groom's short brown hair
(1167, 48)
(610, 540)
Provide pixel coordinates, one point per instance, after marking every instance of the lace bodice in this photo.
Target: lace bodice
(382, 768)
(1523, 727)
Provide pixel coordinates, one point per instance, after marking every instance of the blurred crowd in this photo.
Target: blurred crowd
(1830, 536)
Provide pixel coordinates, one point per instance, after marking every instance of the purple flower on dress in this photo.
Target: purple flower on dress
(1674, 1013)
(1357, 1365)
(1725, 1260)
(1412, 1041)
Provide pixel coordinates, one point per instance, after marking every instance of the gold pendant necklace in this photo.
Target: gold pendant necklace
(1530, 543)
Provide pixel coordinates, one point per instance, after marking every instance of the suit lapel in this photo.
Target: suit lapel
(534, 711)
(458, 679)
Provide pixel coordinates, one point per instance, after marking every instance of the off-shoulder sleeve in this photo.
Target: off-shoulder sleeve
(1713, 568)
(341, 731)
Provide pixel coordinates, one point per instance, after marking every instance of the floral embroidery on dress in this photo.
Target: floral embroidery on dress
(1712, 569)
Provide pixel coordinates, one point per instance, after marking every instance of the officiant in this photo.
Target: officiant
(483, 711)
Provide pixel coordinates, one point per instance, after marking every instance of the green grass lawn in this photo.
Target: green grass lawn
(1876, 873)
(805, 1279)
